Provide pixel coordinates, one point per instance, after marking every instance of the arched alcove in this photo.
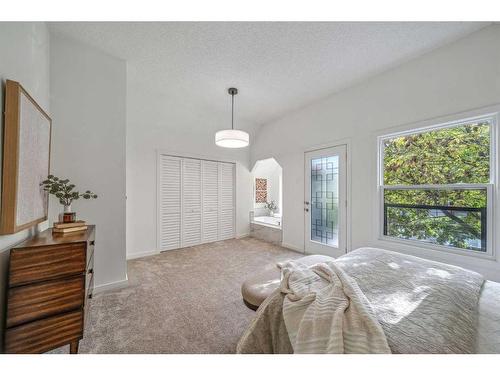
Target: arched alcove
(267, 187)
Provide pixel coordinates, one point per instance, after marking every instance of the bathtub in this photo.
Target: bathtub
(268, 220)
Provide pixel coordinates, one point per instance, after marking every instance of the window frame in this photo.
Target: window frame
(490, 187)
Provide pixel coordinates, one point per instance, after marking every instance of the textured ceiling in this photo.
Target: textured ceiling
(277, 67)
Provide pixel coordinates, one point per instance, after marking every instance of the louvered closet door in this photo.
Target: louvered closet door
(170, 203)
(210, 222)
(191, 187)
(226, 198)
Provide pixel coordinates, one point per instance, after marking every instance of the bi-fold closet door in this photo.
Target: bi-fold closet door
(210, 220)
(195, 201)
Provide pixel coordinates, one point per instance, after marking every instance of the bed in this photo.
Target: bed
(488, 330)
(256, 289)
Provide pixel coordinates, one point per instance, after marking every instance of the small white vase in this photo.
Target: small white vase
(67, 208)
(271, 213)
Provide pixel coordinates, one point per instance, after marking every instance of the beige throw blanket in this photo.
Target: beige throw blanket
(325, 312)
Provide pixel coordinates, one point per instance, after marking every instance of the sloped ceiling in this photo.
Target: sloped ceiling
(277, 66)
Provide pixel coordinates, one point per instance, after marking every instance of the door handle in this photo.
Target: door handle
(306, 209)
(306, 203)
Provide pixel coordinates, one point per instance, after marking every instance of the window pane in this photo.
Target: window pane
(455, 218)
(445, 156)
(325, 200)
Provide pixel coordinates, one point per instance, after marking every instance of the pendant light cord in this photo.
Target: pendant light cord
(232, 111)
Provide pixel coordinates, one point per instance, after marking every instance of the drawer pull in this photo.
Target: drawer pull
(92, 243)
(91, 271)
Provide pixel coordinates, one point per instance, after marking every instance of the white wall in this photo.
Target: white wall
(461, 76)
(153, 125)
(88, 103)
(24, 57)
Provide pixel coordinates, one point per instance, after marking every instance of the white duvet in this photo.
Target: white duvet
(488, 328)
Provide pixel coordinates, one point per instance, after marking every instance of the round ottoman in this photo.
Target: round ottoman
(258, 287)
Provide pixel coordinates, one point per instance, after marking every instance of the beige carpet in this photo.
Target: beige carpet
(180, 301)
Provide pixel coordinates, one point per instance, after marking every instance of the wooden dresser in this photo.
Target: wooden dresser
(50, 279)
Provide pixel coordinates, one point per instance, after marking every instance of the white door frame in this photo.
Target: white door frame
(310, 247)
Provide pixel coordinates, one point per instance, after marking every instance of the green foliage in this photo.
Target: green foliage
(271, 206)
(63, 190)
(445, 156)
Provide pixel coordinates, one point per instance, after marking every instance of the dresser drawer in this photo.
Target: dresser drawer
(44, 263)
(46, 334)
(36, 301)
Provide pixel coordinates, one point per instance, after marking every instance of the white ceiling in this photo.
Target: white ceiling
(277, 67)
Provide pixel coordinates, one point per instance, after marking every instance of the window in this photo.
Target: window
(436, 185)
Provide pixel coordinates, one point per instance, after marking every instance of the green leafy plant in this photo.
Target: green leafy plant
(271, 206)
(63, 190)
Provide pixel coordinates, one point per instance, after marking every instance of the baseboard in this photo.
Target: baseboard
(238, 236)
(142, 255)
(292, 247)
(109, 286)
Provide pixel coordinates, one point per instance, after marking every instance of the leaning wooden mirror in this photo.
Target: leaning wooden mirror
(26, 158)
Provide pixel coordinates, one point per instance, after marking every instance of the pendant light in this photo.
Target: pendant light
(232, 138)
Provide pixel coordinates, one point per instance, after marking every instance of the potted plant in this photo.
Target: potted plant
(64, 191)
(272, 207)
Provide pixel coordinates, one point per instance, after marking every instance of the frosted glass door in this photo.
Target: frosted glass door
(325, 201)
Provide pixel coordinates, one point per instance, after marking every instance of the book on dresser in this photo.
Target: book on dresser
(74, 224)
(63, 228)
(69, 230)
(50, 280)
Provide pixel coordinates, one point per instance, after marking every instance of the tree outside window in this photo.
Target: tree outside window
(435, 185)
